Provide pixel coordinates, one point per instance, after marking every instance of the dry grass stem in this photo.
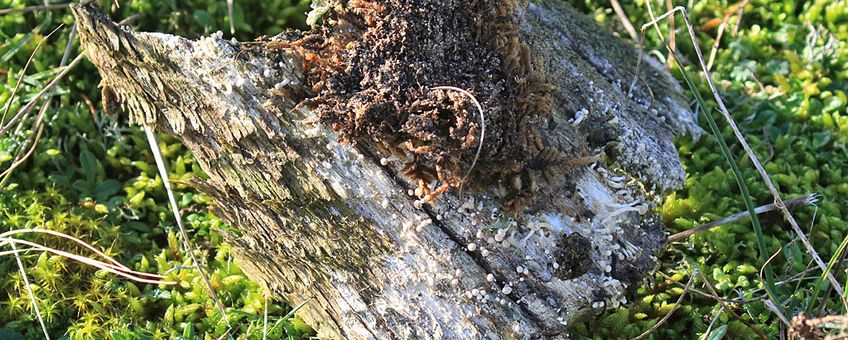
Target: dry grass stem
(29, 290)
(482, 129)
(676, 306)
(622, 16)
(798, 201)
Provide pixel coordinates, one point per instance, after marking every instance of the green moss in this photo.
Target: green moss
(784, 84)
(93, 177)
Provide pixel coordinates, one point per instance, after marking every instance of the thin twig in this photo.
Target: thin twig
(794, 278)
(774, 309)
(740, 300)
(622, 16)
(651, 13)
(47, 102)
(727, 308)
(721, 27)
(82, 243)
(798, 201)
(20, 159)
(25, 111)
(32, 142)
(712, 323)
(76, 240)
(85, 260)
(676, 306)
(672, 35)
(21, 77)
(23, 73)
(28, 108)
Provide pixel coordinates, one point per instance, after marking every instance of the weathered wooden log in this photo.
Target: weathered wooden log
(349, 228)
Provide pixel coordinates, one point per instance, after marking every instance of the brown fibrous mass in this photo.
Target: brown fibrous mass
(374, 68)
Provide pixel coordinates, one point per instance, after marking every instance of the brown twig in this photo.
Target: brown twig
(676, 306)
(739, 9)
(727, 308)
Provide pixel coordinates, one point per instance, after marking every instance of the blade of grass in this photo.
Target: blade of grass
(232, 19)
(295, 309)
(13, 49)
(265, 320)
(163, 172)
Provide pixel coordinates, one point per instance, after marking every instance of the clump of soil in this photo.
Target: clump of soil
(373, 68)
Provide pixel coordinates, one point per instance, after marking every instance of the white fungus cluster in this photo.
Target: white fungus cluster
(611, 213)
(579, 117)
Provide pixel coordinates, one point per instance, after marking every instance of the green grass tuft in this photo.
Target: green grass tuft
(93, 177)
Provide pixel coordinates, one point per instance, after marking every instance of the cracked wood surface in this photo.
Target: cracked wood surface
(333, 225)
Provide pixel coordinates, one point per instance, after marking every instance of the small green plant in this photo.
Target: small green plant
(94, 178)
(783, 75)
(782, 67)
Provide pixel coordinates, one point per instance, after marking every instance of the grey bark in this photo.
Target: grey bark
(335, 226)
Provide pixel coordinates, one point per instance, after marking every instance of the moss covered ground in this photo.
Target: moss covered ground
(94, 177)
(782, 68)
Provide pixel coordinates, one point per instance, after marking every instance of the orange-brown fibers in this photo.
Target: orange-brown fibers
(373, 66)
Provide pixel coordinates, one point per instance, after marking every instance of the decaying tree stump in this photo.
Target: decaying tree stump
(327, 150)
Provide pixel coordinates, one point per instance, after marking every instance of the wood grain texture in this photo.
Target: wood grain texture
(335, 225)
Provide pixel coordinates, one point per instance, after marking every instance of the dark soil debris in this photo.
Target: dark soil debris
(373, 69)
(573, 257)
